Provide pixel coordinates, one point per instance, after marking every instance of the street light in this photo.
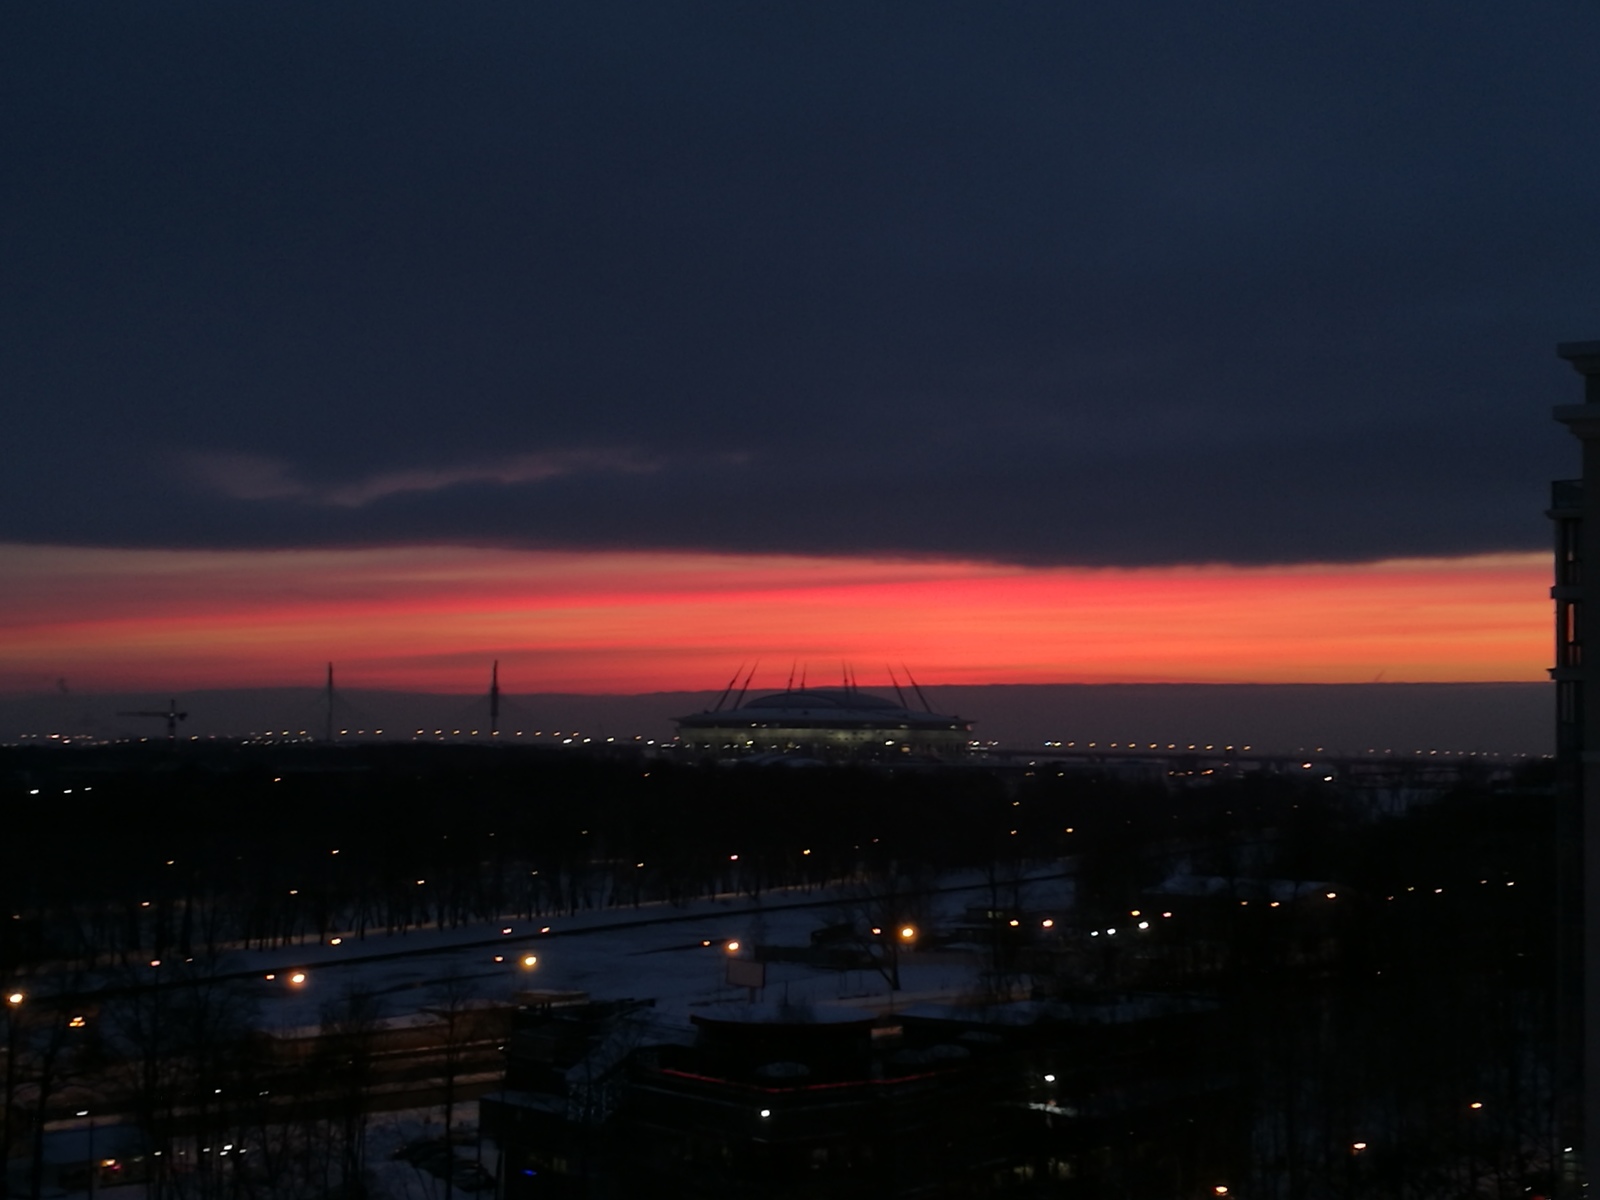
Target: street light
(13, 1001)
(94, 1169)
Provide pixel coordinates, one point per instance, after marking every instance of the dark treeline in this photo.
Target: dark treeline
(1396, 1012)
(1377, 1017)
(185, 855)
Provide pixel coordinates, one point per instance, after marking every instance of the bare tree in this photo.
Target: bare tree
(349, 1029)
(451, 1004)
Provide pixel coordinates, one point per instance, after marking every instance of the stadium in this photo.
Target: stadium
(825, 722)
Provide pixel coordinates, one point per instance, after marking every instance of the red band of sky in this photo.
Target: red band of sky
(431, 617)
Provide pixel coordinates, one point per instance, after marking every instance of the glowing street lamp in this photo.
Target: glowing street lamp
(529, 961)
(13, 1001)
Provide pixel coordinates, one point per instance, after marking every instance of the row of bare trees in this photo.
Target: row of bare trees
(1361, 1019)
(237, 849)
(223, 1109)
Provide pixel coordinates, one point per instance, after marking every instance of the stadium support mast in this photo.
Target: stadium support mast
(327, 729)
(898, 693)
(740, 700)
(722, 699)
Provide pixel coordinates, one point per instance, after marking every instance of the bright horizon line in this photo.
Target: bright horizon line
(513, 694)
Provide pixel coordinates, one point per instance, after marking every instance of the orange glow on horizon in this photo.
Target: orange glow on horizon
(429, 617)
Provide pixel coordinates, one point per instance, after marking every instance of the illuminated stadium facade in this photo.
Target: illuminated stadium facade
(826, 722)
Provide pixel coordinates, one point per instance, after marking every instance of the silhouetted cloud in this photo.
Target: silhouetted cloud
(1056, 283)
(253, 477)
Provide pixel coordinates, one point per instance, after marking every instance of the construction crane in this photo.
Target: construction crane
(172, 716)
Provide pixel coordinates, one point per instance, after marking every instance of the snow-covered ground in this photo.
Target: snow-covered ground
(677, 956)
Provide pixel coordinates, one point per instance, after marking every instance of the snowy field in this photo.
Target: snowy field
(677, 956)
(674, 955)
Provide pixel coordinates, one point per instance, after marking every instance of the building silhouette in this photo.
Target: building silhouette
(1575, 509)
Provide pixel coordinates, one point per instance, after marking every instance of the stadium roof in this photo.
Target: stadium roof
(822, 708)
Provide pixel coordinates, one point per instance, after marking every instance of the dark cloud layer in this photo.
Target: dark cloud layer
(1065, 283)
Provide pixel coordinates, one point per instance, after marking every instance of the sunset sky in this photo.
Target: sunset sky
(434, 617)
(626, 342)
